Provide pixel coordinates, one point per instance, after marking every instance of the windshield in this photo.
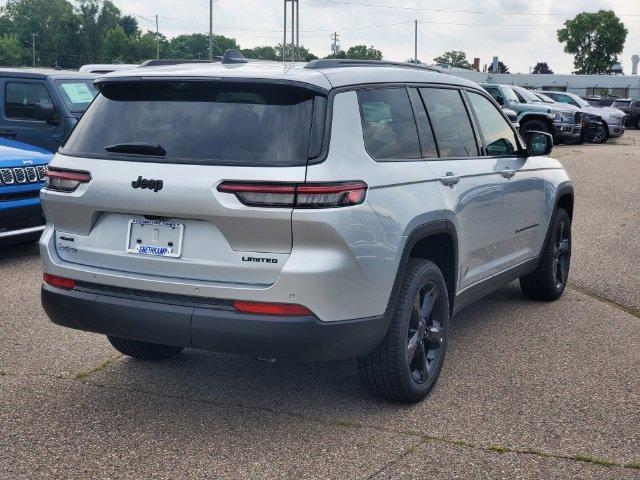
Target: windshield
(621, 103)
(510, 94)
(210, 123)
(544, 98)
(528, 96)
(77, 94)
(582, 103)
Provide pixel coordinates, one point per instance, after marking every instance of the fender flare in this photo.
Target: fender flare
(419, 233)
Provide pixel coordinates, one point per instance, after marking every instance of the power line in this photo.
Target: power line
(428, 9)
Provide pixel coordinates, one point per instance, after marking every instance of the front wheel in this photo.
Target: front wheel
(143, 350)
(534, 126)
(548, 281)
(405, 366)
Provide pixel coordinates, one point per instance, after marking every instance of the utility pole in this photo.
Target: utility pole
(33, 48)
(335, 45)
(157, 39)
(210, 29)
(415, 50)
(295, 30)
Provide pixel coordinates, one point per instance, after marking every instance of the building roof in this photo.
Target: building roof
(321, 78)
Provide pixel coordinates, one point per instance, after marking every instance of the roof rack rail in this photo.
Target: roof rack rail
(345, 63)
(168, 61)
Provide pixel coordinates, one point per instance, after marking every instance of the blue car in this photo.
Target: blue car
(22, 173)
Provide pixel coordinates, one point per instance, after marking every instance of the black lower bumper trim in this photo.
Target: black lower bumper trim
(220, 330)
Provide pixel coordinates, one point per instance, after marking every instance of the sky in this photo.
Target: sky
(519, 32)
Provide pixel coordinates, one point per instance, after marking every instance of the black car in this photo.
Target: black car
(631, 108)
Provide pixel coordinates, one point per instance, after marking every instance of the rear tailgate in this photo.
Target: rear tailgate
(162, 214)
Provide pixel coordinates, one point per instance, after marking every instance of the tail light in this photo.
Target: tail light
(293, 195)
(59, 282)
(290, 309)
(65, 180)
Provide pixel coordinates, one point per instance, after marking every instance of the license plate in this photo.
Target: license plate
(155, 238)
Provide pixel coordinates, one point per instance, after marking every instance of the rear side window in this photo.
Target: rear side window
(210, 123)
(450, 122)
(498, 136)
(388, 124)
(21, 99)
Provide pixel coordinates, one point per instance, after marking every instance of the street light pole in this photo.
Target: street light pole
(210, 29)
(33, 48)
(157, 39)
(415, 50)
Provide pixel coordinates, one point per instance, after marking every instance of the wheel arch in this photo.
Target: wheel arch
(527, 116)
(436, 241)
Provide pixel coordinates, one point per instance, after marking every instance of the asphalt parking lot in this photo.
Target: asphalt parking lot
(529, 390)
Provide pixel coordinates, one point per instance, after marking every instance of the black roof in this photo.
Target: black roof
(42, 73)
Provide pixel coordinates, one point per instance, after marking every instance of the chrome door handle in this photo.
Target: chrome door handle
(508, 172)
(449, 179)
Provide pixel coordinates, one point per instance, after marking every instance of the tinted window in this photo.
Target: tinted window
(200, 122)
(21, 99)
(388, 125)
(498, 136)
(427, 142)
(450, 121)
(77, 94)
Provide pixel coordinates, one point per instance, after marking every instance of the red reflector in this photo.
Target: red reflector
(271, 308)
(59, 282)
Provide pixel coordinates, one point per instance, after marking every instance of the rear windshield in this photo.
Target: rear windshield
(211, 123)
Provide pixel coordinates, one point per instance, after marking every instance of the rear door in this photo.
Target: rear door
(470, 184)
(20, 98)
(158, 209)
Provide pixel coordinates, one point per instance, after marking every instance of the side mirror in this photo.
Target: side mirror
(46, 112)
(538, 143)
(500, 100)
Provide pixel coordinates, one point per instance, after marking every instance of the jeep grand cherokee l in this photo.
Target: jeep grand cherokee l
(342, 209)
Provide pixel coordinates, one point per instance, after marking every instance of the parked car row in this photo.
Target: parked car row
(566, 116)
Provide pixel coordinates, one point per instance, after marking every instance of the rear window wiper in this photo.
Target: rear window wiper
(138, 148)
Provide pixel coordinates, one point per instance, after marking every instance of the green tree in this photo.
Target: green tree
(117, 46)
(362, 52)
(502, 68)
(96, 18)
(130, 26)
(595, 40)
(12, 53)
(55, 24)
(453, 58)
(260, 53)
(340, 54)
(146, 46)
(304, 55)
(196, 45)
(542, 68)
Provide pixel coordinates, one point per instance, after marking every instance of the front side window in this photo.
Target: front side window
(211, 123)
(388, 125)
(498, 136)
(450, 121)
(21, 99)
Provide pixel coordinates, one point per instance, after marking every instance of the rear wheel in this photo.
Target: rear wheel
(143, 350)
(549, 280)
(638, 122)
(406, 365)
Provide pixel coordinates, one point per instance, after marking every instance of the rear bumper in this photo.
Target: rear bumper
(183, 322)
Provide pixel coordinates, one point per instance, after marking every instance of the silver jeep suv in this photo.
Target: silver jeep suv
(342, 209)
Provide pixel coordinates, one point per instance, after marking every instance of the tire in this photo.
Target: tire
(638, 122)
(405, 366)
(143, 350)
(534, 125)
(548, 281)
